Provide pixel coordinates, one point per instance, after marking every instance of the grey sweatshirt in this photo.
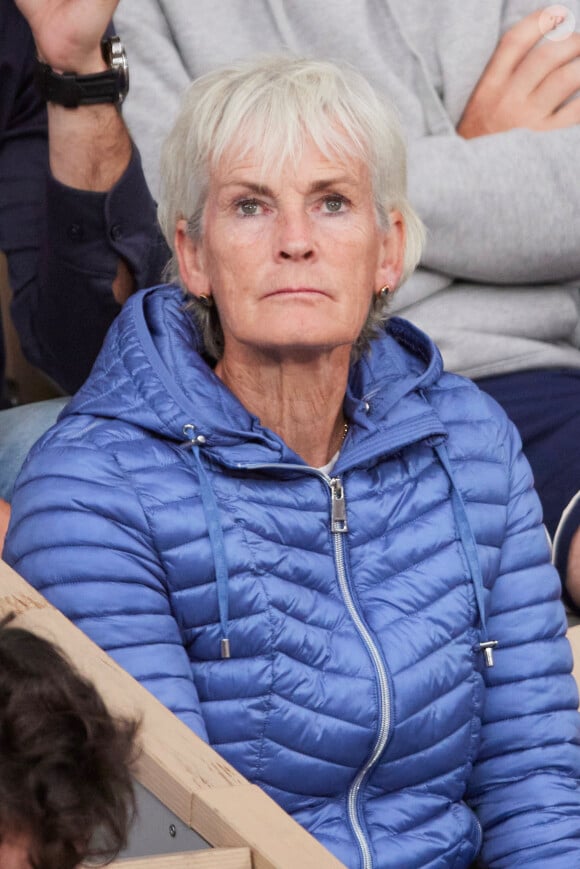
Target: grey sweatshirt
(498, 286)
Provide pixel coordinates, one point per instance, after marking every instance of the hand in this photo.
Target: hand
(68, 33)
(4, 520)
(526, 83)
(573, 572)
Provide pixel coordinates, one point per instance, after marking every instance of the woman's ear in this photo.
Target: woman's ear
(392, 253)
(189, 253)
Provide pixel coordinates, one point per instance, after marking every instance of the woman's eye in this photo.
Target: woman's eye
(248, 207)
(334, 204)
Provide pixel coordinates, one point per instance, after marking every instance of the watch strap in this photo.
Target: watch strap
(71, 90)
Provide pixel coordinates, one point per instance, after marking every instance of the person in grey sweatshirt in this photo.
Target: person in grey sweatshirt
(486, 95)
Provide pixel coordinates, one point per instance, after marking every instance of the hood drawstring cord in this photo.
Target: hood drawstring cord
(470, 548)
(216, 536)
(221, 569)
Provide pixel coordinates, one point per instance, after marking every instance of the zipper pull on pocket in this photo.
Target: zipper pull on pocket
(487, 649)
(338, 523)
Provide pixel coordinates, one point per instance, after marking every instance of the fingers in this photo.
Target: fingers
(517, 43)
(68, 32)
(557, 87)
(543, 60)
(567, 116)
(529, 78)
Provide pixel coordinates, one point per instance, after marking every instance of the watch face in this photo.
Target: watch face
(116, 57)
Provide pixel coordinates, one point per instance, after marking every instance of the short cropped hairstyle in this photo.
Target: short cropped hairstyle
(275, 105)
(65, 780)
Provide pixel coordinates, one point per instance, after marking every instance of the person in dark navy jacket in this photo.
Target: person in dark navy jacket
(77, 222)
(271, 504)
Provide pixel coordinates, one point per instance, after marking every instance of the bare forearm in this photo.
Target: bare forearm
(89, 146)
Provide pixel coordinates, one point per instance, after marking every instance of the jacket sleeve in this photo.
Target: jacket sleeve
(62, 277)
(79, 535)
(525, 785)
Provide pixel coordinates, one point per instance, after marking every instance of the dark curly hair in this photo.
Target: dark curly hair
(65, 780)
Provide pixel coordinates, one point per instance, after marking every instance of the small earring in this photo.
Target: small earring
(206, 301)
(384, 291)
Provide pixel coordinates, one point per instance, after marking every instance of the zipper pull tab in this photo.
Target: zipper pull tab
(338, 522)
(487, 649)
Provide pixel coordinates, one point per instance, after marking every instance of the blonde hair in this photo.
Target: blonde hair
(275, 105)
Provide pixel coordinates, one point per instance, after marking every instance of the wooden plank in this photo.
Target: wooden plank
(274, 845)
(183, 772)
(217, 858)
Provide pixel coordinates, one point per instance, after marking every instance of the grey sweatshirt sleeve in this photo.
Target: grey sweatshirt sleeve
(500, 209)
(503, 208)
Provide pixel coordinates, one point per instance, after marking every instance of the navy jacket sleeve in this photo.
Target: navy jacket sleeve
(63, 245)
(63, 301)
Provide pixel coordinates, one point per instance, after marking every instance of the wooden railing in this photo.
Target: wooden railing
(217, 858)
(245, 827)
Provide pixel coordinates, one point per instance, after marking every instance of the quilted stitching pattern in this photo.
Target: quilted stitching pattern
(108, 523)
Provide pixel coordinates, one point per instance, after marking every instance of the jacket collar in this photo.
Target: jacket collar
(151, 373)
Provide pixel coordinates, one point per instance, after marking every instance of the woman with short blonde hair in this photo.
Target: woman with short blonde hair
(274, 508)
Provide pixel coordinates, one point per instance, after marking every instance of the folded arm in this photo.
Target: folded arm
(499, 198)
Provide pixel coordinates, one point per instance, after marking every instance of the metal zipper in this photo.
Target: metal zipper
(339, 526)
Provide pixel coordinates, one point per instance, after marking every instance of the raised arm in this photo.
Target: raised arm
(499, 198)
(89, 146)
(93, 237)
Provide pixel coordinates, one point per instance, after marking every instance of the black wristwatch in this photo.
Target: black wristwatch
(71, 90)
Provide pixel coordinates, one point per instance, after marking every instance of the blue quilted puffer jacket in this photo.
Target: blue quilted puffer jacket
(359, 611)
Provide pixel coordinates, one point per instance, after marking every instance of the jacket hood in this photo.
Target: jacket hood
(151, 373)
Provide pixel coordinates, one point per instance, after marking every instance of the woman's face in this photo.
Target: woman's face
(291, 260)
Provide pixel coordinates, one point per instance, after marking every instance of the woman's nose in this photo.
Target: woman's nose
(295, 237)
